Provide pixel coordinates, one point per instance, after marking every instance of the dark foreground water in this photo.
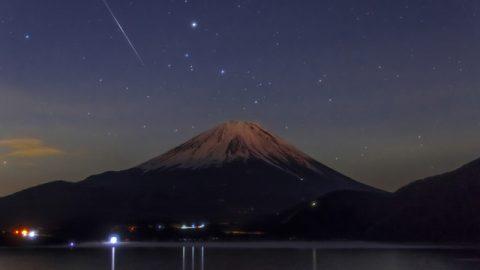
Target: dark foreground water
(248, 257)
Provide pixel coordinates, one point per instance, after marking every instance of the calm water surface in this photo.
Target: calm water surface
(217, 257)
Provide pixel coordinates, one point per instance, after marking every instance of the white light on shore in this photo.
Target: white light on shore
(113, 240)
(32, 234)
(193, 226)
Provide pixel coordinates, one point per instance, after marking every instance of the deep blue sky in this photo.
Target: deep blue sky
(383, 91)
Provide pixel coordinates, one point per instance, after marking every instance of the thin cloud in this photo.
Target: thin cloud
(27, 148)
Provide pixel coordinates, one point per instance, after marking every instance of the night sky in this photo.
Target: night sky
(383, 91)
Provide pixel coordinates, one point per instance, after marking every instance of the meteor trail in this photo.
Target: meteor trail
(130, 43)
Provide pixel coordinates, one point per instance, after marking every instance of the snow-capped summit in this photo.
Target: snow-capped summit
(232, 141)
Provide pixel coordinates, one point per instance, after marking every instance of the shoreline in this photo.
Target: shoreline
(327, 245)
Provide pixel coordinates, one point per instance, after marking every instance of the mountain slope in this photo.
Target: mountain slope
(446, 207)
(441, 208)
(344, 214)
(233, 172)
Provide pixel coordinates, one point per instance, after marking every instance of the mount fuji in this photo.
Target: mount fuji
(232, 172)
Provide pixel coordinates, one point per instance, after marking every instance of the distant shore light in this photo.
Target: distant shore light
(32, 234)
(113, 240)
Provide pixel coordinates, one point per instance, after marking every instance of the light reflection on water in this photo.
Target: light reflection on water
(193, 257)
(314, 259)
(113, 258)
(184, 258)
(192, 261)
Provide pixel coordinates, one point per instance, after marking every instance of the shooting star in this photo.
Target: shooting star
(130, 43)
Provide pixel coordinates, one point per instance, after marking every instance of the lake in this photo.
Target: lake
(251, 256)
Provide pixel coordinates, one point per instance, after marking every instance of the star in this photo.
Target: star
(222, 72)
(27, 36)
(194, 24)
